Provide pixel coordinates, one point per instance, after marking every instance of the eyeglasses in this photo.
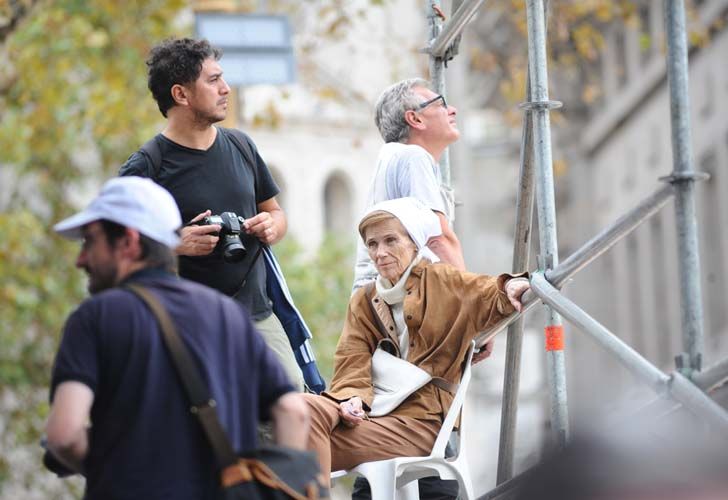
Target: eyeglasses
(434, 99)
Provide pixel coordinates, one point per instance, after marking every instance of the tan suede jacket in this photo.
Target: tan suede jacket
(444, 310)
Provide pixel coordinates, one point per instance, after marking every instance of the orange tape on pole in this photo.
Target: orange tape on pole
(554, 338)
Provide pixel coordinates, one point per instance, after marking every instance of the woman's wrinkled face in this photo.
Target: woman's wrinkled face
(390, 248)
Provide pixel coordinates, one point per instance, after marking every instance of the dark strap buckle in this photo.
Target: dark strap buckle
(205, 406)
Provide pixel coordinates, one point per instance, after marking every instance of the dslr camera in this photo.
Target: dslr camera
(230, 227)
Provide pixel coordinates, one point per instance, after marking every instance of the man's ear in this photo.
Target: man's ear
(130, 244)
(179, 94)
(413, 119)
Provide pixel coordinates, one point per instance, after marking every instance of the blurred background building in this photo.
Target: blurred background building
(611, 144)
(609, 151)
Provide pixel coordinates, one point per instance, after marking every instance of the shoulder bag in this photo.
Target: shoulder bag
(394, 379)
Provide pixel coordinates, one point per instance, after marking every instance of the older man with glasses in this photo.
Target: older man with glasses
(417, 126)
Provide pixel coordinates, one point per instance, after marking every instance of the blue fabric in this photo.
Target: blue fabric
(144, 442)
(293, 323)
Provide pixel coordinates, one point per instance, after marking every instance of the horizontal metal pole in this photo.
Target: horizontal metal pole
(588, 252)
(719, 394)
(714, 375)
(507, 489)
(697, 402)
(630, 358)
(529, 299)
(454, 27)
(712, 381)
(609, 236)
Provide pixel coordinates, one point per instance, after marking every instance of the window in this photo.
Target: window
(337, 205)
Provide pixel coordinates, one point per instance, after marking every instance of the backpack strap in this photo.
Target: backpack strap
(153, 154)
(242, 142)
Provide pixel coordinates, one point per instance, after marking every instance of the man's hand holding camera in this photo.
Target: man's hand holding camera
(263, 227)
(202, 234)
(198, 240)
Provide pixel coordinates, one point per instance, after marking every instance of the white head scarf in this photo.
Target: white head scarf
(420, 222)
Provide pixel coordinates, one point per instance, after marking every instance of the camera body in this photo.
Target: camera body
(230, 245)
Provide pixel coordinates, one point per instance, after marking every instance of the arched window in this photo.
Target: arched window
(337, 204)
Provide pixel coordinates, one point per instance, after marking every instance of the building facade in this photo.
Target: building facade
(624, 149)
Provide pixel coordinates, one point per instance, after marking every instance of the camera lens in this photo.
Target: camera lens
(233, 249)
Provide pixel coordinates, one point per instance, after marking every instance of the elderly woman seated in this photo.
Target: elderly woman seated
(430, 311)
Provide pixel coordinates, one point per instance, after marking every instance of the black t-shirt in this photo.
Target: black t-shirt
(220, 180)
(144, 442)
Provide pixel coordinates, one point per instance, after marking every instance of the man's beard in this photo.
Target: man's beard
(206, 118)
(102, 279)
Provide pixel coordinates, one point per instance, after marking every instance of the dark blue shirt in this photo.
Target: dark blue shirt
(144, 442)
(221, 180)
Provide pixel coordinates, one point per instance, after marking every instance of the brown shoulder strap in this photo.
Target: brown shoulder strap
(445, 385)
(369, 295)
(203, 406)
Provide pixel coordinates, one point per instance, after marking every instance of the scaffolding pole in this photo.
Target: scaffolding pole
(536, 149)
(684, 177)
(437, 77)
(455, 26)
(514, 344)
(549, 256)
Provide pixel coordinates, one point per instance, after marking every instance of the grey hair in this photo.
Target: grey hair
(394, 102)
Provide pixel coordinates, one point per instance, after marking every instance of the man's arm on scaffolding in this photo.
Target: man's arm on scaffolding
(447, 245)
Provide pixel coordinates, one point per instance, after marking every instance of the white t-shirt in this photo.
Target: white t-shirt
(402, 170)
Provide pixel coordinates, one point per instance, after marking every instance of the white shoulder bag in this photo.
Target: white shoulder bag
(394, 378)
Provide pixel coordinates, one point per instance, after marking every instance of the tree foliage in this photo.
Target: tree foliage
(73, 105)
(576, 39)
(320, 286)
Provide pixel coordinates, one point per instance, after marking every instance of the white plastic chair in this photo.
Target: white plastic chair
(396, 478)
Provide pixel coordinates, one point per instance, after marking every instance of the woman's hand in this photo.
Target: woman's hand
(514, 289)
(351, 411)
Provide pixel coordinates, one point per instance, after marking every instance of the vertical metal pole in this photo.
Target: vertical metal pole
(683, 176)
(437, 77)
(546, 211)
(522, 239)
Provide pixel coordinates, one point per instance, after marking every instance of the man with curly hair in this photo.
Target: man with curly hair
(205, 170)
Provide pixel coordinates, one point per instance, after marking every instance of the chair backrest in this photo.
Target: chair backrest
(457, 404)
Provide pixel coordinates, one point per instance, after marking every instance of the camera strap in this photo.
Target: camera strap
(250, 268)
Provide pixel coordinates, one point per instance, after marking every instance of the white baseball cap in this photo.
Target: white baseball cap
(134, 202)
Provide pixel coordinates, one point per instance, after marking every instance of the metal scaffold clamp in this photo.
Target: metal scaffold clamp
(540, 105)
(679, 177)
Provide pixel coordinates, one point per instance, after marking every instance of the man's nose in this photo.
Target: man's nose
(452, 110)
(225, 87)
(81, 259)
